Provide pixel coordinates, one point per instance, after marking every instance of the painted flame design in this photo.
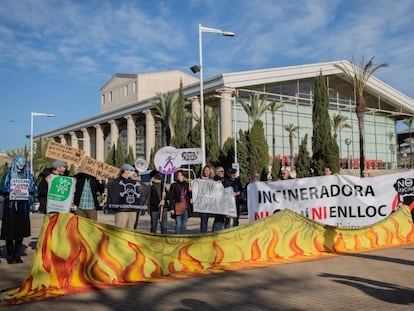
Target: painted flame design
(75, 254)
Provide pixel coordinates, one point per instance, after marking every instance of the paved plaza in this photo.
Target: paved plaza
(377, 280)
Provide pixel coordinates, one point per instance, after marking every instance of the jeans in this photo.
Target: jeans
(181, 222)
(155, 218)
(204, 222)
(219, 221)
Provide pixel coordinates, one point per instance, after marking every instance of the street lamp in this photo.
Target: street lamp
(35, 114)
(348, 141)
(202, 29)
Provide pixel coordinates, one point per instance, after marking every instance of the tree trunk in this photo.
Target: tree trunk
(360, 112)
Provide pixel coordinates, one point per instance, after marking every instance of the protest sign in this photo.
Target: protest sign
(337, 200)
(190, 156)
(65, 153)
(19, 189)
(60, 194)
(210, 196)
(97, 168)
(167, 160)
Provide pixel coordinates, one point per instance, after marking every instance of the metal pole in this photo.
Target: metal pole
(202, 130)
(31, 142)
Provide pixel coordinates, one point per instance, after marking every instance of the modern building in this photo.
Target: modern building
(126, 105)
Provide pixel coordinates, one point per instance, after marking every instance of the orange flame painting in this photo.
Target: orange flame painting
(75, 254)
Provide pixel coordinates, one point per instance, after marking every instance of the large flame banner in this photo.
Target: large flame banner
(75, 254)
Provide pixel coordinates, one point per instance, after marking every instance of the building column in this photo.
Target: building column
(195, 110)
(99, 142)
(74, 140)
(226, 120)
(86, 141)
(114, 132)
(63, 140)
(131, 134)
(149, 134)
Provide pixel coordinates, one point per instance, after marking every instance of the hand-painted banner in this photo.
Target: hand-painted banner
(60, 194)
(19, 189)
(210, 196)
(65, 153)
(167, 160)
(97, 168)
(338, 200)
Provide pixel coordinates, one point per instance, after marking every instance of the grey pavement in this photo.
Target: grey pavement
(376, 280)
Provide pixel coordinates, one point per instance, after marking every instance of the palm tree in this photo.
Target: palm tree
(358, 75)
(291, 129)
(274, 106)
(409, 123)
(254, 106)
(164, 111)
(339, 123)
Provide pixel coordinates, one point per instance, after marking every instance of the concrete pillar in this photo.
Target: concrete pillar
(74, 140)
(99, 143)
(131, 134)
(114, 132)
(195, 109)
(63, 140)
(86, 141)
(226, 118)
(149, 134)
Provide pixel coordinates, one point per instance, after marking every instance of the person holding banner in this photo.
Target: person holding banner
(233, 181)
(158, 202)
(205, 175)
(18, 188)
(125, 197)
(180, 194)
(86, 195)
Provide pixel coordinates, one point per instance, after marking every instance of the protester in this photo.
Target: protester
(327, 171)
(125, 197)
(86, 195)
(205, 175)
(254, 177)
(285, 174)
(158, 202)
(180, 194)
(18, 188)
(366, 173)
(58, 168)
(218, 218)
(235, 183)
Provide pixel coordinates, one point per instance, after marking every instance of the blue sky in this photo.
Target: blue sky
(55, 55)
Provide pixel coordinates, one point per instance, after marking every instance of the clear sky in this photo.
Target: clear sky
(55, 55)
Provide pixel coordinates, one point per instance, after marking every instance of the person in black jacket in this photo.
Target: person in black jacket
(86, 195)
(180, 192)
(157, 202)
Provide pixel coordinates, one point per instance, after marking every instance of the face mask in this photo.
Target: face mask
(130, 174)
(20, 163)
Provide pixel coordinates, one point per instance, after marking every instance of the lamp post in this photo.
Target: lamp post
(35, 114)
(202, 29)
(348, 141)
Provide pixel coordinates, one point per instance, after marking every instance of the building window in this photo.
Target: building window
(103, 99)
(126, 90)
(110, 96)
(134, 88)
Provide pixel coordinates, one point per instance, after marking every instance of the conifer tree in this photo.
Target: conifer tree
(110, 158)
(325, 150)
(130, 157)
(180, 139)
(119, 153)
(226, 155)
(243, 157)
(258, 147)
(276, 168)
(304, 161)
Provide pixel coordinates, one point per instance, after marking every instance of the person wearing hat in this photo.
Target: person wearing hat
(58, 168)
(157, 202)
(126, 197)
(85, 197)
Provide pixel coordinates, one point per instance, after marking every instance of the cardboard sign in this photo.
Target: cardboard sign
(65, 153)
(190, 156)
(97, 168)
